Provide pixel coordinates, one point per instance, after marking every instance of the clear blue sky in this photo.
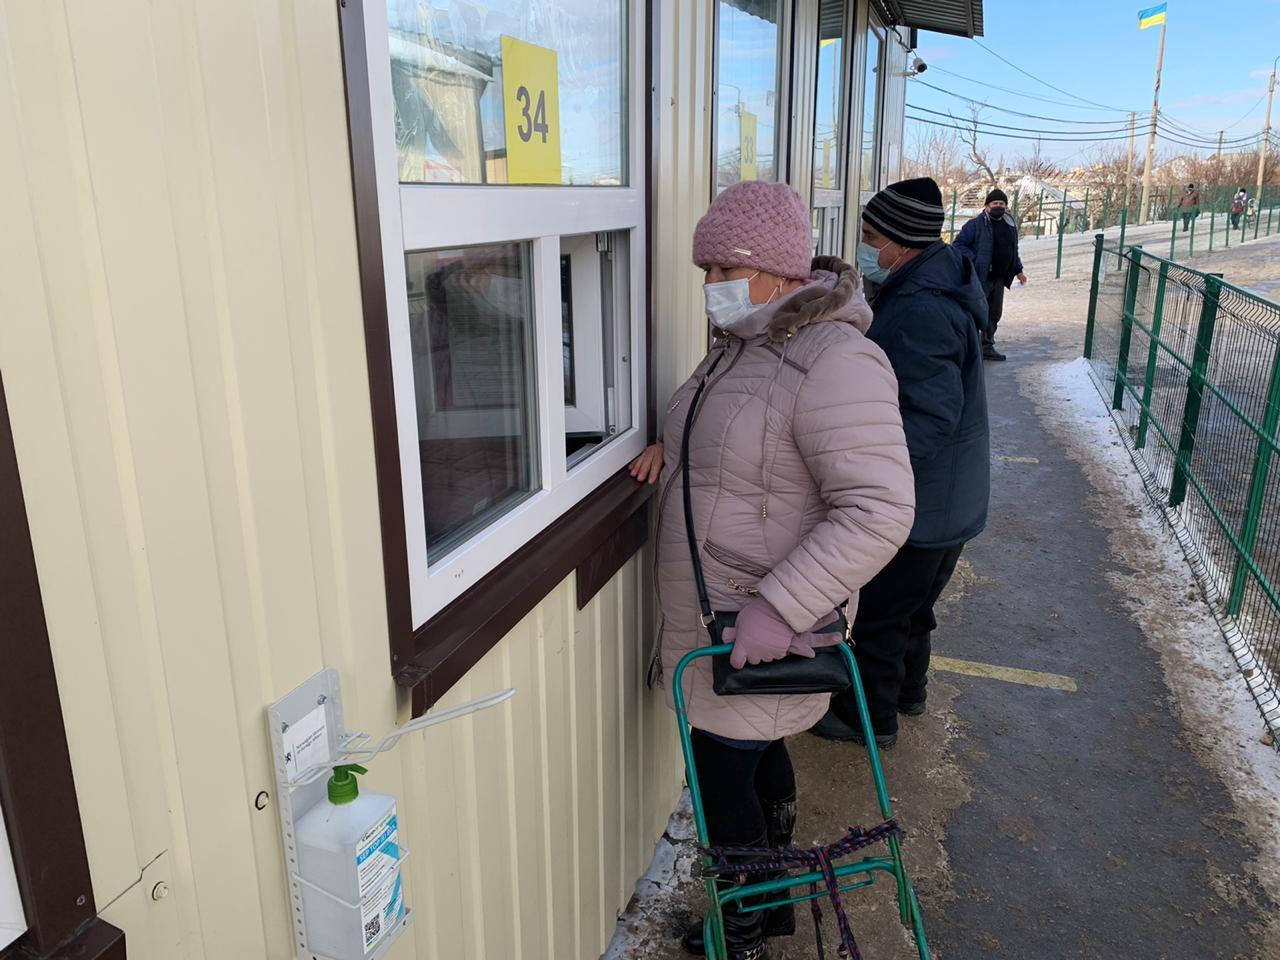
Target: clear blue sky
(1217, 60)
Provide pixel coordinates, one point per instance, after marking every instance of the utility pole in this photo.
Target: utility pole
(1128, 171)
(1266, 135)
(1220, 133)
(1151, 135)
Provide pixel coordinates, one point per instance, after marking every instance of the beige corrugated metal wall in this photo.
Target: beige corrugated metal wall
(182, 348)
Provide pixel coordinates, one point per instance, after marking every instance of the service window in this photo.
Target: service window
(750, 64)
(510, 191)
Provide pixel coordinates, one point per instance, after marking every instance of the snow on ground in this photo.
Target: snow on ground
(1162, 594)
(644, 930)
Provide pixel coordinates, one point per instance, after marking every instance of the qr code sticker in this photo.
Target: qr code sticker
(372, 929)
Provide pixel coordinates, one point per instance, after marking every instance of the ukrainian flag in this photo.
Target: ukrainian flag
(1151, 16)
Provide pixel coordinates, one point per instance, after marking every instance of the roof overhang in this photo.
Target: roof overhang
(962, 18)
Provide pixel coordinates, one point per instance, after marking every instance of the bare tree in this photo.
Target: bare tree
(936, 153)
(1035, 164)
(977, 154)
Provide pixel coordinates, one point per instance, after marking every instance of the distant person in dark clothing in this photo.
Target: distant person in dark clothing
(1189, 205)
(990, 241)
(929, 308)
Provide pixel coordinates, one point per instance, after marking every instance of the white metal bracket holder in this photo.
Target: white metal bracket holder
(308, 738)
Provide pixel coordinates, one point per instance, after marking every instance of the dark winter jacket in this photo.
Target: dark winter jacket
(975, 241)
(927, 318)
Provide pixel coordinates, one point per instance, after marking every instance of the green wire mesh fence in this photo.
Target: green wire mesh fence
(1055, 215)
(1190, 366)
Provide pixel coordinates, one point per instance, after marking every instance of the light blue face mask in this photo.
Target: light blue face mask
(729, 303)
(869, 263)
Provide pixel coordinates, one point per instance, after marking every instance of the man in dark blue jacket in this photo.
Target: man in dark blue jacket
(929, 309)
(990, 240)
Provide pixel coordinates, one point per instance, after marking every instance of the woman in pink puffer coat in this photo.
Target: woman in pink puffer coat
(801, 491)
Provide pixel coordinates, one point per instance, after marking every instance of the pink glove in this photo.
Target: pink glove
(807, 644)
(760, 635)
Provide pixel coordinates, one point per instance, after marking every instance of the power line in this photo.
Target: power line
(1173, 134)
(1046, 83)
(1122, 129)
(1187, 128)
(1016, 113)
(1008, 132)
(1018, 93)
(1014, 136)
(1210, 137)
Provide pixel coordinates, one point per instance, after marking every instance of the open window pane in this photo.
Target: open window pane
(748, 65)
(595, 300)
(565, 92)
(471, 326)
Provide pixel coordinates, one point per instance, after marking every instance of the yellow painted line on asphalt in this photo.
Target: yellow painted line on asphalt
(1019, 459)
(1030, 678)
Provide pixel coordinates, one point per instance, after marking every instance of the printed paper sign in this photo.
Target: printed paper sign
(306, 743)
(378, 871)
(531, 102)
(747, 145)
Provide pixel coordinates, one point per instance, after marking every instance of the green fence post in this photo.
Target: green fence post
(1087, 222)
(1270, 210)
(1126, 324)
(1213, 214)
(1192, 249)
(1062, 229)
(1014, 207)
(1124, 220)
(1173, 238)
(1040, 213)
(1257, 491)
(953, 215)
(1149, 382)
(1257, 217)
(1106, 209)
(1098, 241)
(1244, 223)
(1226, 230)
(1195, 389)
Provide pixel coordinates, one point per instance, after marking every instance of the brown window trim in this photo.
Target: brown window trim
(37, 787)
(597, 532)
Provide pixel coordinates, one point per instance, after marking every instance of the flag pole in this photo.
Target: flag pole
(1151, 134)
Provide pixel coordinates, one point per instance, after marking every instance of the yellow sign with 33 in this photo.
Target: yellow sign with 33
(531, 103)
(747, 123)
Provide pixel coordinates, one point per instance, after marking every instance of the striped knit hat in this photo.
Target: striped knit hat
(908, 212)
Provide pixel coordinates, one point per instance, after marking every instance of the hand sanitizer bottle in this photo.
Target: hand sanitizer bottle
(349, 856)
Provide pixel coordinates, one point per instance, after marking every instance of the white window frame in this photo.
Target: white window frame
(416, 217)
(882, 33)
(783, 119)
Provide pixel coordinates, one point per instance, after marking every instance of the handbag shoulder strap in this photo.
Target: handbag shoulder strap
(704, 602)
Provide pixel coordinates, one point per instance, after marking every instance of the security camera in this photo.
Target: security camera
(918, 66)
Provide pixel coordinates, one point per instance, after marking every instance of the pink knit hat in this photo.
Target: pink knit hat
(756, 224)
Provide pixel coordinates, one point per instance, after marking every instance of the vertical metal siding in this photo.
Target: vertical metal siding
(184, 354)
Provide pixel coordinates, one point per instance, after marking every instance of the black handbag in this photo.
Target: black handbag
(826, 671)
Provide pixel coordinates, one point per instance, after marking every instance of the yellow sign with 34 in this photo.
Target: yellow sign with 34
(531, 102)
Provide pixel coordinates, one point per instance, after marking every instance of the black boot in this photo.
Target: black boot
(780, 817)
(744, 933)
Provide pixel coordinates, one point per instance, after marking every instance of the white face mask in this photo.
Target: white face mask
(729, 302)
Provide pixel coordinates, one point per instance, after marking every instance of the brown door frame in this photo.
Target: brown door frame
(37, 789)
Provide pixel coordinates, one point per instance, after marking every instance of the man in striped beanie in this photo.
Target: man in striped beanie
(928, 310)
